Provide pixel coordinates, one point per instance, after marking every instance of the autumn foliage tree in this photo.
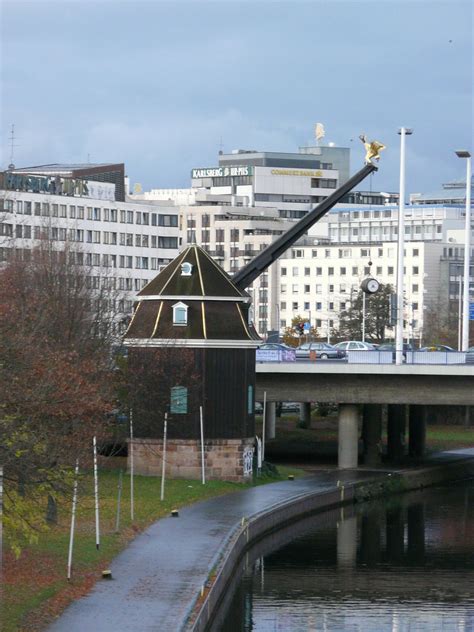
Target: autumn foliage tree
(55, 387)
(291, 335)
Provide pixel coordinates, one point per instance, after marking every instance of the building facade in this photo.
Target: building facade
(120, 243)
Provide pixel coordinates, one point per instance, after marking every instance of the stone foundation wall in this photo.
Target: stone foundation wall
(224, 459)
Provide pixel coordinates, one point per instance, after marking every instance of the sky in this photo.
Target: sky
(163, 86)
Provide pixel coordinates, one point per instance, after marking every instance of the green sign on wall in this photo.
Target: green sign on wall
(179, 400)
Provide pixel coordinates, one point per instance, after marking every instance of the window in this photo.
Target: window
(390, 270)
(327, 253)
(294, 306)
(283, 272)
(63, 210)
(318, 289)
(80, 212)
(342, 271)
(414, 287)
(113, 215)
(294, 271)
(306, 306)
(415, 270)
(319, 305)
(319, 271)
(416, 252)
(378, 270)
(282, 289)
(330, 271)
(355, 270)
(307, 271)
(129, 217)
(294, 288)
(180, 314)
(167, 242)
(27, 209)
(331, 289)
(306, 289)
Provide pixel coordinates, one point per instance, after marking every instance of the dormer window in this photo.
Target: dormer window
(186, 268)
(180, 314)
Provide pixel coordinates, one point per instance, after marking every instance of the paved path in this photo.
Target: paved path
(157, 578)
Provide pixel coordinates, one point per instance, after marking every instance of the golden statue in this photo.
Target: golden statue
(372, 149)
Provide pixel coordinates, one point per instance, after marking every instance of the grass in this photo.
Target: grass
(320, 441)
(35, 588)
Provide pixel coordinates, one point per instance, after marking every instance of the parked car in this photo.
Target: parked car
(354, 345)
(470, 355)
(437, 348)
(275, 346)
(323, 351)
(387, 346)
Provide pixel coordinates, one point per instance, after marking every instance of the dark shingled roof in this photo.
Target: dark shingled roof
(208, 318)
(207, 278)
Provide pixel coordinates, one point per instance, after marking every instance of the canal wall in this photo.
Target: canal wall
(443, 468)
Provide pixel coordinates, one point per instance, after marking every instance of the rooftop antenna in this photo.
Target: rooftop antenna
(221, 147)
(12, 146)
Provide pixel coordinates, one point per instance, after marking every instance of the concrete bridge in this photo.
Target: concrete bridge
(404, 389)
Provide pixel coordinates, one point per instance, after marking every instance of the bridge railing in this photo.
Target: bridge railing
(409, 357)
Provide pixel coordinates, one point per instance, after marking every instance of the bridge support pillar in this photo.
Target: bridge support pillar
(270, 418)
(305, 415)
(347, 542)
(396, 428)
(348, 436)
(417, 431)
(372, 434)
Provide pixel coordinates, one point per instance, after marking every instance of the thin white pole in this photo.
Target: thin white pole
(73, 520)
(96, 495)
(119, 498)
(163, 458)
(460, 315)
(130, 446)
(203, 473)
(263, 424)
(401, 251)
(467, 258)
(363, 316)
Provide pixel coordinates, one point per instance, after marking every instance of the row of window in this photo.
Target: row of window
(45, 209)
(331, 288)
(330, 306)
(347, 253)
(343, 271)
(94, 259)
(24, 231)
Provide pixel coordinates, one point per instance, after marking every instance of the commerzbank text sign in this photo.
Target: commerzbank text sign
(222, 172)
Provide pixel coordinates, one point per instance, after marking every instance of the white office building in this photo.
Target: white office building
(123, 241)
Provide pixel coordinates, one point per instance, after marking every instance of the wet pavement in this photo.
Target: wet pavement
(156, 580)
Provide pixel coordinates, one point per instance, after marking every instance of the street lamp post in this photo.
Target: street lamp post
(467, 252)
(404, 131)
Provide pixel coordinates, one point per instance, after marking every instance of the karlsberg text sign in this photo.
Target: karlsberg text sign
(222, 172)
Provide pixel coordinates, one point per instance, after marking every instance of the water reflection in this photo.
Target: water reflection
(403, 565)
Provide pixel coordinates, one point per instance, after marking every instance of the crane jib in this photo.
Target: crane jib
(246, 275)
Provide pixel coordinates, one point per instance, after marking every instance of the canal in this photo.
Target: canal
(404, 564)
